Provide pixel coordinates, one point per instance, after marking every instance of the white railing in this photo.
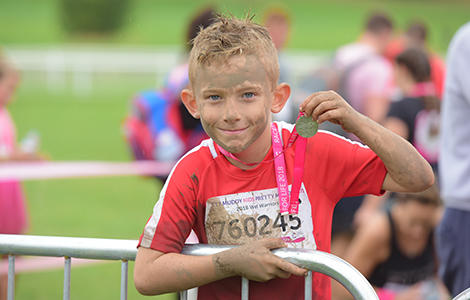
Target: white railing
(85, 61)
(125, 250)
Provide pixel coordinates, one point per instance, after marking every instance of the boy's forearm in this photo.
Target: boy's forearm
(175, 272)
(157, 273)
(403, 162)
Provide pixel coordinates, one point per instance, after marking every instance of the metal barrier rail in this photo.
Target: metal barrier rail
(465, 295)
(125, 250)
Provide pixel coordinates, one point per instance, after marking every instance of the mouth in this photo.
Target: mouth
(233, 131)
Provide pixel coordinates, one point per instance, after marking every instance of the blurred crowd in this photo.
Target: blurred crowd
(400, 242)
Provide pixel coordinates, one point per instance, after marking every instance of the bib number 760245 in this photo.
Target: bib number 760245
(262, 225)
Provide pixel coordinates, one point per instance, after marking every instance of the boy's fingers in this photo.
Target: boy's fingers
(282, 274)
(329, 115)
(309, 105)
(273, 243)
(323, 107)
(291, 268)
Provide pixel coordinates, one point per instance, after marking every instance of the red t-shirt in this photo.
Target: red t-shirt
(224, 204)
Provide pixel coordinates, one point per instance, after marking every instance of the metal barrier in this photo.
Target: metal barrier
(125, 250)
(465, 295)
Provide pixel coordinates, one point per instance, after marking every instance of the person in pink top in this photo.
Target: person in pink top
(365, 81)
(369, 75)
(13, 216)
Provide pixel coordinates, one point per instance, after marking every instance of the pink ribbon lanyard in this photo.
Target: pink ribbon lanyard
(288, 204)
(280, 170)
(423, 89)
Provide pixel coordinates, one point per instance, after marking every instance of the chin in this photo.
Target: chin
(235, 149)
(232, 148)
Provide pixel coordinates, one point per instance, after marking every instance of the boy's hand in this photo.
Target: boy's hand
(330, 106)
(255, 261)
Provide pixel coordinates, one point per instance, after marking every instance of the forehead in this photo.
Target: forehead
(235, 71)
(419, 209)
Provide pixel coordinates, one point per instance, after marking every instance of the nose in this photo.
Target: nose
(418, 231)
(231, 111)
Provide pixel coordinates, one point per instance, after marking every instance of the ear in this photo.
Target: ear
(189, 101)
(281, 94)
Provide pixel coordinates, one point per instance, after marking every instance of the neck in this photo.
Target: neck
(369, 39)
(407, 87)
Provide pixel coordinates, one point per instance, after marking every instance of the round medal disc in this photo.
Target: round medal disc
(306, 126)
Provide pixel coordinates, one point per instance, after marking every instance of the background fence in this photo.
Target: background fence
(78, 65)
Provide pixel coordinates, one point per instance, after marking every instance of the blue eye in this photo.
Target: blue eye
(248, 95)
(214, 97)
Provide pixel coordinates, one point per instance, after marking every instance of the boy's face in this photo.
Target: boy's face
(234, 101)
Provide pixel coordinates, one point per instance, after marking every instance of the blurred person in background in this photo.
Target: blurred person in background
(159, 127)
(364, 79)
(416, 36)
(415, 117)
(13, 215)
(277, 21)
(366, 76)
(453, 234)
(395, 249)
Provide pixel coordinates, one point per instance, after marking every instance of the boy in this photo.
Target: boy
(232, 198)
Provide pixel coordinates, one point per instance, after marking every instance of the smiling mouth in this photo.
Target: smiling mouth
(233, 131)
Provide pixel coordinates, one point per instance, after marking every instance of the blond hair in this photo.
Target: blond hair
(228, 37)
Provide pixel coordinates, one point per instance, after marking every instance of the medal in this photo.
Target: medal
(306, 126)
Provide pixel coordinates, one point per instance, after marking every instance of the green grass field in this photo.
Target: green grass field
(88, 128)
(76, 128)
(320, 24)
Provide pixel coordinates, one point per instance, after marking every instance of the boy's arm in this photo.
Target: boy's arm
(407, 170)
(156, 272)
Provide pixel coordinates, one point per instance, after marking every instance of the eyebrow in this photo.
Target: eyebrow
(255, 87)
(211, 91)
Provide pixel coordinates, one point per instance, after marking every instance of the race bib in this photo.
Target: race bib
(239, 218)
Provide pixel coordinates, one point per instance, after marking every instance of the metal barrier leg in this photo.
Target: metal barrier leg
(245, 288)
(11, 278)
(124, 269)
(67, 267)
(184, 295)
(192, 294)
(308, 286)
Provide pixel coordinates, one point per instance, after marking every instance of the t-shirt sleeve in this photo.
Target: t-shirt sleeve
(348, 168)
(174, 213)
(367, 172)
